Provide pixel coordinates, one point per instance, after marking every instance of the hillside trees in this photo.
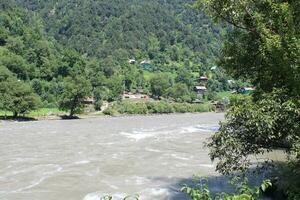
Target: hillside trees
(43, 42)
(180, 93)
(106, 28)
(159, 84)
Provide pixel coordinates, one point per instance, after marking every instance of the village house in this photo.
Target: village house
(200, 90)
(132, 61)
(132, 96)
(203, 78)
(89, 100)
(246, 90)
(146, 64)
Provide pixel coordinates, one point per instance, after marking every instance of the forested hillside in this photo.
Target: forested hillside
(165, 31)
(61, 50)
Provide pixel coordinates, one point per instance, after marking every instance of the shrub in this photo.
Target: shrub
(243, 191)
(98, 104)
(110, 111)
(155, 107)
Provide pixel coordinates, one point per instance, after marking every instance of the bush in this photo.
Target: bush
(98, 104)
(243, 191)
(155, 107)
(238, 99)
(131, 108)
(160, 107)
(182, 107)
(110, 111)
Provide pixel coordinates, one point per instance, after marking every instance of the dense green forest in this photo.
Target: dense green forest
(167, 32)
(49, 47)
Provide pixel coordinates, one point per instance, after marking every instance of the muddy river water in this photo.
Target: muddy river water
(88, 158)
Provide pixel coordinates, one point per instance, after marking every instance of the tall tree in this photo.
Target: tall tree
(264, 48)
(76, 89)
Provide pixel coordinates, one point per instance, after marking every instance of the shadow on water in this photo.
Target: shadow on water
(222, 183)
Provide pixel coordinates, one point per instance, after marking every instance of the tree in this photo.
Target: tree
(100, 94)
(76, 89)
(180, 93)
(263, 48)
(254, 127)
(159, 84)
(185, 76)
(15, 95)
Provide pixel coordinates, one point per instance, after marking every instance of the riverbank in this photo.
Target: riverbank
(116, 109)
(95, 116)
(155, 107)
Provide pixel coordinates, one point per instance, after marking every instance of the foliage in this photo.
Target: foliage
(43, 42)
(122, 29)
(76, 89)
(264, 44)
(159, 84)
(180, 93)
(254, 128)
(110, 111)
(288, 174)
(15, 95)
(262, 47)
(243, 191)
(155, 107)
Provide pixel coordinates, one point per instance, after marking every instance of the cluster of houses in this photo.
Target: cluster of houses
(146, 64)
(200, 88)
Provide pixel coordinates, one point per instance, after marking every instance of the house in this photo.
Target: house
(200, 89)
(132, 61)
(146, 64)
(89, 100)
(132, 96)
(213, 68)
(203, 78)
(246, 90)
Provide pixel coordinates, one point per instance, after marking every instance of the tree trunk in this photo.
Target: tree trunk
(71, 112)
(15, 114)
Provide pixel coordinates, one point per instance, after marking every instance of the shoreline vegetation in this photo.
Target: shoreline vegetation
(155, 107)
(115, 109)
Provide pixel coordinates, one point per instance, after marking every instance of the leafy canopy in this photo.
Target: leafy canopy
(76, 89)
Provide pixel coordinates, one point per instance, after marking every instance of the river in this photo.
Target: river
(88, 158)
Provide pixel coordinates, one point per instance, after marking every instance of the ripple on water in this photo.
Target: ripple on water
(82, 162)
(141, 134)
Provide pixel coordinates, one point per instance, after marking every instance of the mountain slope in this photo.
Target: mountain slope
(161, 30)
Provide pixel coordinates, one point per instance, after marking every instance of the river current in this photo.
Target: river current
(88, 158)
